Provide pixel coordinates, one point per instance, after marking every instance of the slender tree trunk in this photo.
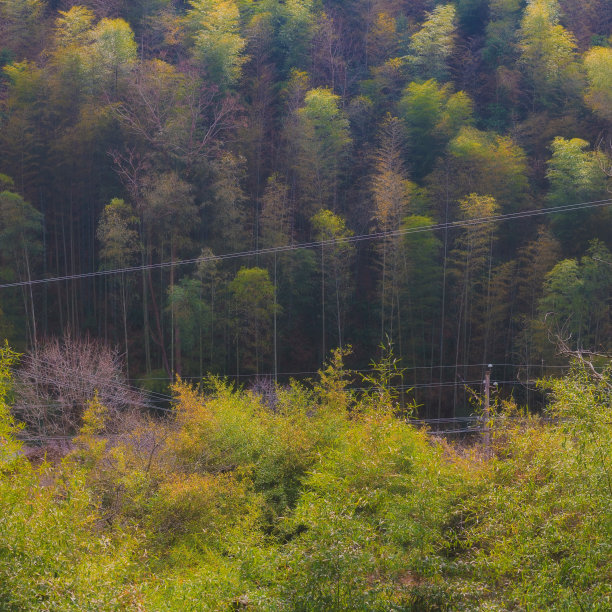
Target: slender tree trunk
(29, 278)
(212, 323)
(125, 332)
(323, 300)
(145, 317)
(487, 330)
(160, 339)
(176, 332)
(443, 313)
(275, 328)
(338, 317)
(382, 293)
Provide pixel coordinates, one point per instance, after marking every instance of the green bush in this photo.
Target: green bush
(323, 502)
(369, 525)
(541, 529)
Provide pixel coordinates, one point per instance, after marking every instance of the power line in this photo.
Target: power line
(50, 369)
(363, 370)
(102, 384)
(319, 243)
(46, 370)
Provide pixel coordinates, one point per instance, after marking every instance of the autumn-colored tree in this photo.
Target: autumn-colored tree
(21, 25)
(217, 42)
(25, 127)
(172, 116)
(391, 196)
(485, 162)
(433, 115)
(111, 54)
(577, 175)
(228, 203)
(381, 38)
(547, 49)
(329, 67)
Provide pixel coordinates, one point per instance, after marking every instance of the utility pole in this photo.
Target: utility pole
(487, 411)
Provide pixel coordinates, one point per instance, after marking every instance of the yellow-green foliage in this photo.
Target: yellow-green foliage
(203, 511)
(538, 526)
(227, 430)
(368, 520)
(9, 446)
(318, 500)
(51, 556)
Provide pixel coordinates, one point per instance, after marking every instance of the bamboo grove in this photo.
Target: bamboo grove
(139, 133)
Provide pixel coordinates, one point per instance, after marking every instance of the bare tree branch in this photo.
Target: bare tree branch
(54, 385)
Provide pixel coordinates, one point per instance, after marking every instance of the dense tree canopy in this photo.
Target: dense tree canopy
(379, 133)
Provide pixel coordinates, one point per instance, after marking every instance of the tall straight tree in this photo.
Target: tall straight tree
(170, 216)
(535, 260)
(472, 263)
(391, 196)
(217, 43)
(275, 228)
(20, 247)
(322, 134)
(547, 51)
(254, 305)
(433, 115)
(576, 175)
(420, 285)
(432, 45)
(228, 203)
(598, 64)
(336, 262)
(575, 305)
(120, 247)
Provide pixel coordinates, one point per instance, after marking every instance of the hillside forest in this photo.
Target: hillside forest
(256, 257)
(241, 186)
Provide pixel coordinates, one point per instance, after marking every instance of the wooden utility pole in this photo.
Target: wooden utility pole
(487, 411)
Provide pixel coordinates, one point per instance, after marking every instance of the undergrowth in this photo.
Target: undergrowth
(320, 501)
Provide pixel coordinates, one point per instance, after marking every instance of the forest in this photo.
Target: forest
(238, 187)
(306, 305)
